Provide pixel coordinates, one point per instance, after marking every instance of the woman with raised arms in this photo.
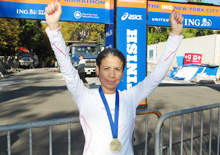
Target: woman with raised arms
(107, 115)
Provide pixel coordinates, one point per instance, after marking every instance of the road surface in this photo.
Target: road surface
(41, 94)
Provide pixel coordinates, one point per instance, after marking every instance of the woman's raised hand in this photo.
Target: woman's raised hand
(53, 13)
(176, 22)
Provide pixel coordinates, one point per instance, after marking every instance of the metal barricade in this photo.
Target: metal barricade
(50, 123)
(160, 123)
(147, 112)
(38, 124)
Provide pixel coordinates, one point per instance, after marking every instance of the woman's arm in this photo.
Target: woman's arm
(144, 88)
(53, 12)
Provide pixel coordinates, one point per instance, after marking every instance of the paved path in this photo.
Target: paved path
(41, 94)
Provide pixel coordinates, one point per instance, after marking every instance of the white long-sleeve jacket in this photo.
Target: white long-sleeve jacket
(93, 116)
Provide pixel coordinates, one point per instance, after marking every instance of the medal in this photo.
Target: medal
(115, 145)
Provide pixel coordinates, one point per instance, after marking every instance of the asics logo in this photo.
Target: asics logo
(131, 16)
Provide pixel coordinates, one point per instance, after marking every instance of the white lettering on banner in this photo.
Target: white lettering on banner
(169, 7)
(109, 46)
(132, 48)
(160, 19)
(78, 15)
(21, 11)
(30, 12)
(196, 22)
(131, 57)
(41, 12)
(34, 12)
(109, 33)
(131, 16)
(132, 68)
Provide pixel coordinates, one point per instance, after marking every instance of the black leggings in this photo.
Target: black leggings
(82, 76)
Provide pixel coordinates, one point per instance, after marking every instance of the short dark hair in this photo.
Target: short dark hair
(112, 51)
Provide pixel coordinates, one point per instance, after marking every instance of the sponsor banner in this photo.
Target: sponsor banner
(109, 34)
(189, 9)
(36, 11)
(195, 16)
(132, 3)
(190, 21)
(104, 4)
(109, 37)
(131, 40)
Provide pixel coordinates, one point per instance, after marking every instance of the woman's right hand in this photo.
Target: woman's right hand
(53, 13)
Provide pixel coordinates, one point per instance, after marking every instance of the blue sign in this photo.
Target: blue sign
(131, 40)
(190, 21)
(70, 13)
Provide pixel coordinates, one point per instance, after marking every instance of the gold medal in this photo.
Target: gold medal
(115, 145)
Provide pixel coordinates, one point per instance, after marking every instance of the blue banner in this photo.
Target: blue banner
(131, 40)
(70, 13)
(190, 21)
(109, 37)
(195, 16)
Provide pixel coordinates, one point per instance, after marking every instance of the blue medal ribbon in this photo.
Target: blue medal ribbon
(114, 125)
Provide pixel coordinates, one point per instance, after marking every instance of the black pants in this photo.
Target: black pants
(83, 77)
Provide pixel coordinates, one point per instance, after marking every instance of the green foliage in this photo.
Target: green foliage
(68, 29)
(34, 38)
(161, 34)
(31, 32)
(157, 34)
(190, 33)
(9, 38)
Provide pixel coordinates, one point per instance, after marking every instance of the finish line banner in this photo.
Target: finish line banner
(97, 11)
(195, 16)
(131, 40)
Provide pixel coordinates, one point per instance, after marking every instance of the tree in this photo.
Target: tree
(70, 29)
(31, 32)
(157, 34)
(34, 38)
(9, 38)
(161, 34)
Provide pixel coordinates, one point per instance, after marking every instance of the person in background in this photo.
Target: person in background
(81, 70)
(107, 115)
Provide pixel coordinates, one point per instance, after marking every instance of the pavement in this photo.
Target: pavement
(41, 94)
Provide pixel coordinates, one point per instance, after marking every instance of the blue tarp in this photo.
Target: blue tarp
(189, 71)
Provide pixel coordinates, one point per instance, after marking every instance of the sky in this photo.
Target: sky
(215, 2)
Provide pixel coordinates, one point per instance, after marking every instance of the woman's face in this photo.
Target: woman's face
(110, 73)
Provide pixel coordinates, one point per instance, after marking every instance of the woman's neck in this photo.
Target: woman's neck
(108, 91)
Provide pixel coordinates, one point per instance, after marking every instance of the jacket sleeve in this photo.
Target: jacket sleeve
(144, 88)
(73, 82)
(80, 66)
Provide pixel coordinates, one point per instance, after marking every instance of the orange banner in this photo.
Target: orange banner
(189, 9)
(132, 3)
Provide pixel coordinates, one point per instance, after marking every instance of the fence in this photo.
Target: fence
(68, 121)
(38, 124)
(159, 129)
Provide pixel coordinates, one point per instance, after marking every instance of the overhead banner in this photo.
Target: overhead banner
(97, 11)
(131, 40)
(195, 16)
